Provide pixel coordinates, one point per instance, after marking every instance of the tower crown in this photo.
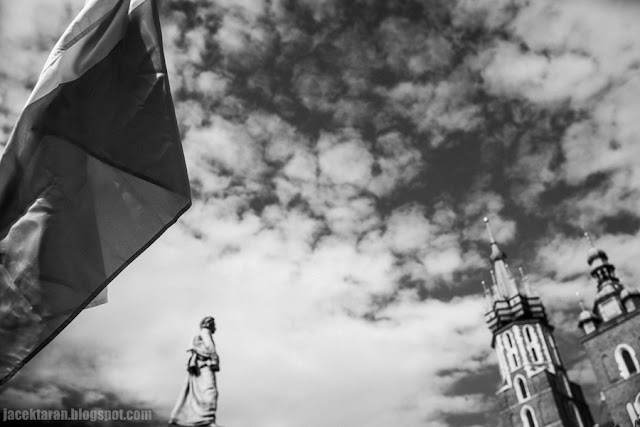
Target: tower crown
(532, 372)
(509, 300)
(612, 298)
(594, 254)
(610, 337)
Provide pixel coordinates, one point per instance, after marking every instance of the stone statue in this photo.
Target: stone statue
(198, 401)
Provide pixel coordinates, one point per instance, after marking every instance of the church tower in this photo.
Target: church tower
(612, 339)
(534, 389)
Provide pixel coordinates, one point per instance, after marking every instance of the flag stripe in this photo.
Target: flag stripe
(83, 45)
(93, 174)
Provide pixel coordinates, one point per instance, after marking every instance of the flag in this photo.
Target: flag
(92, 174)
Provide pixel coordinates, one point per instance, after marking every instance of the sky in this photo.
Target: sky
(341, 157)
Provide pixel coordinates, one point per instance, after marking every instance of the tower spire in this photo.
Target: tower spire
(601, 269)
(589, 239)
(581, 302)
(486, 223)
(487, 295)
(505, 282)
(525, 282)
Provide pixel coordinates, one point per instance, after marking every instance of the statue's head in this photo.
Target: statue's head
(209, 323)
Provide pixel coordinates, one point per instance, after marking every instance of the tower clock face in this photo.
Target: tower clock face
(610, 309)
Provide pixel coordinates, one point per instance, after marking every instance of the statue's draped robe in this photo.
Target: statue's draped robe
(198, 401)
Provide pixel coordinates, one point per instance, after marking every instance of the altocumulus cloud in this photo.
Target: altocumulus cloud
(341, 156)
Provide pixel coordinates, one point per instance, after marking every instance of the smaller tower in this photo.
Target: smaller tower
(534, 390)
(612, 338)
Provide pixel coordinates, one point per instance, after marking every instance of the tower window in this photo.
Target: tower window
(522, 392)
(527, 416)
(627, 361)
(534, 355)
(527, 333)
(532, 343)
(514, 360)
(511, 350)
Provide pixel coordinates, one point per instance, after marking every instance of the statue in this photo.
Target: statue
(198, 401)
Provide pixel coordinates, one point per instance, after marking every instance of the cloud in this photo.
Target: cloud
(544, 78)
(485, 13)
(414, 49)
(347, 162)
(436, 108)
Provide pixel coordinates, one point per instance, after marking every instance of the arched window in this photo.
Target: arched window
(636, 404)
(527, 334)
(532, 343)
(522, 392)
(509, 339)
(528, 417)
(534, 355)
(633, 415)
(627, 361)
(511, 350)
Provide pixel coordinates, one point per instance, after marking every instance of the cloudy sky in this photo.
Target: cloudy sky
(342, 156)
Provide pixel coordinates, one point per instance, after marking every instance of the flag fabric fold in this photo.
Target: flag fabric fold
(92, 174)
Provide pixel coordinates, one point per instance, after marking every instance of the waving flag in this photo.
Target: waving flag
(92, 174)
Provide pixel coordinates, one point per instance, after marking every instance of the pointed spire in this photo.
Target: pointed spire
(496, 253)
(509, 273)
(601, 269)
(525, 282)
(487, 296)
(484, 287)
(510, 278)
(486, 223)
(581, 302)
(502, 277)
(594, 253)
(588, 237)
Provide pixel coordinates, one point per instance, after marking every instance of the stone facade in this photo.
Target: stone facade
(612, 340)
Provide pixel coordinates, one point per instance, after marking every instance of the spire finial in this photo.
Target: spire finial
(589, 239)
(581, 302)
(525, 281)
(486, 222)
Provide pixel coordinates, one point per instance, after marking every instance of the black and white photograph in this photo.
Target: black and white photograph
(320, 213)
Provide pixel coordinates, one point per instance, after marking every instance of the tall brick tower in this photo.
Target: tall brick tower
(535, 390)
(612, 339)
